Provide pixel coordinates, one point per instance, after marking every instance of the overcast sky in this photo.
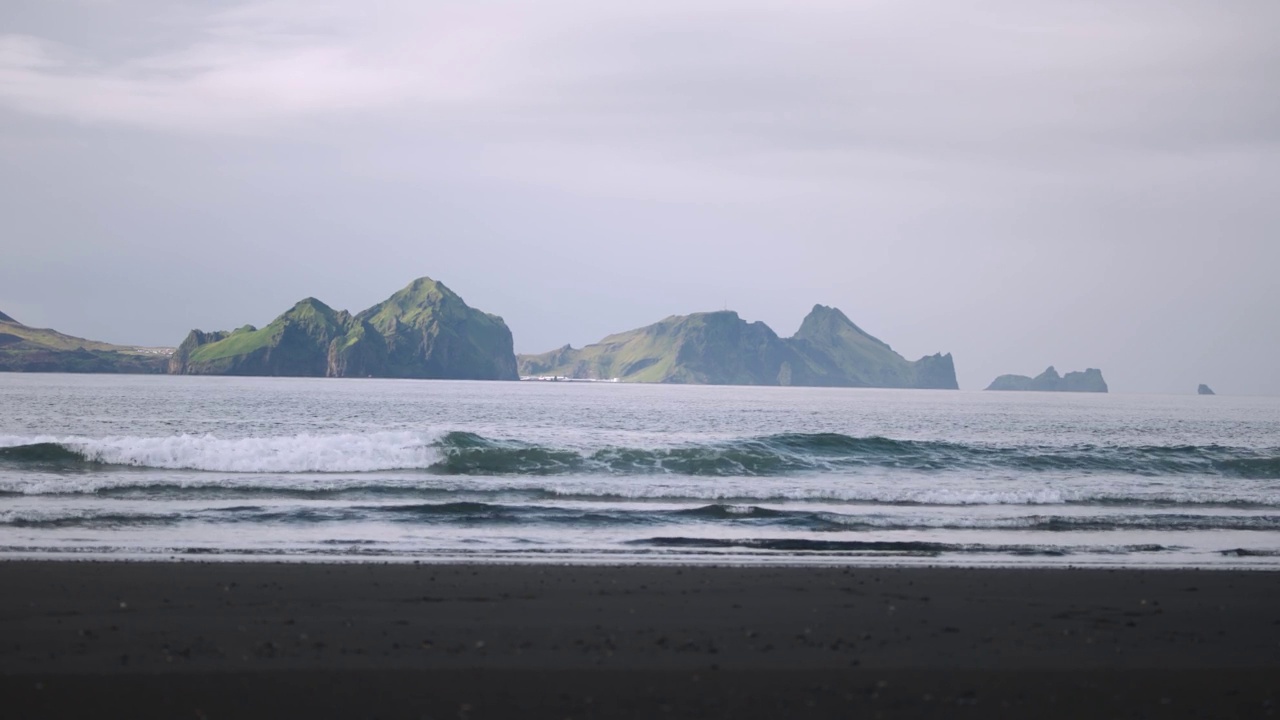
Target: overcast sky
(1078, 183)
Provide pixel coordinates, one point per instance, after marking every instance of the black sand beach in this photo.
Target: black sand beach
(221, 640)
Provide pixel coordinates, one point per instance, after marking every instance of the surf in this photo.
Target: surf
(468, 453)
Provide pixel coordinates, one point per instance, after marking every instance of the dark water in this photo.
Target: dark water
(368, 469)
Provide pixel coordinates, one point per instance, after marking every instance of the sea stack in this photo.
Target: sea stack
(1205, 390)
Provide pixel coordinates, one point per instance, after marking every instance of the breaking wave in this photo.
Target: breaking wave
(465, 453)
(346, 453)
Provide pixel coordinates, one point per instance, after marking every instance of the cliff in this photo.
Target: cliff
(422, 331)
(720, 348)
(1050, 381)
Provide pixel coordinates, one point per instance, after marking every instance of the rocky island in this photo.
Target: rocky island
(1050, 381)
(28, 349)
(1205, 390)
(423, 331)
(720, 348)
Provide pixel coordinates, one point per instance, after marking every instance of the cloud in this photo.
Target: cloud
(207, 88)
(707, 101)
(256, 68)
(924, 77)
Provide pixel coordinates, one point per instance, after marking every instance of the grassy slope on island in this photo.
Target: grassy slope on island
(287, 346)
(702, 348)
(28, 349)
(845, 354)
(425, 330)
(721, 348)
(429, 331)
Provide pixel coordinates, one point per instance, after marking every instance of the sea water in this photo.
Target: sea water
(398, 470)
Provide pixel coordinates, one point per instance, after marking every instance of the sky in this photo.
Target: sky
(1082, 183)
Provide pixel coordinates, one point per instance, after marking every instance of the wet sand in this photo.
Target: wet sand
(222, 640)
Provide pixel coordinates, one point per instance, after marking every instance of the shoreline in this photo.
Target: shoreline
(1264, 563)
(260, 639)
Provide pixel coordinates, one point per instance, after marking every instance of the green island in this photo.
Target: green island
(426, 330)
(720, 348)
(28, 349)
(423, 331)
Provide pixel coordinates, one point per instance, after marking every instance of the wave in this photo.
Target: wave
(1251, 552)
(1262, 468)
(345, 453)
(470, 454)
(874, 547)
(41, 453)
(732, 494)
(476, 514)
(84, 520)
(735, 512)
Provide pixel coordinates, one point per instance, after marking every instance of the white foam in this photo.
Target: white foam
(288, 454)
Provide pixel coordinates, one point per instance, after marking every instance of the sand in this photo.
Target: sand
(237, 640)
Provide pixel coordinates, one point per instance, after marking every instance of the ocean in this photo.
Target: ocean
(161, 467)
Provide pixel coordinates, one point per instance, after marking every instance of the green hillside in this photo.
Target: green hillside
(722, 349)
(28, 349)
(422, 331)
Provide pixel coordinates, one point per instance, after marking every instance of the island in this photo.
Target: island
(1050, 381)
(29, 349)
(1205, 390)
(720, 348)
(422, 331)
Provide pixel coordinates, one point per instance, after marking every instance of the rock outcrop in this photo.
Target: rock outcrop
(423, 331)
(1050, 381)
(28, 349)
(1205, 390)
(720, 348)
